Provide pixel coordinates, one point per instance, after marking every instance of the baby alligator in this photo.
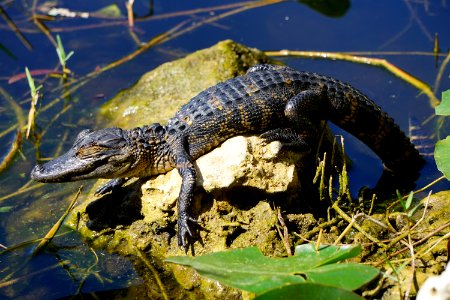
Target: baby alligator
(278, 102)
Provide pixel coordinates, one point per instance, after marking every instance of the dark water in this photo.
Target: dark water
(360, 26)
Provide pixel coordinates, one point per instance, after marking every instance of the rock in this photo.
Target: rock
(159, 93)
(241, 163)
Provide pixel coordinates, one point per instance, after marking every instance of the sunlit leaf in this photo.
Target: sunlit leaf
(5, 209)
(326, 254)
(442, 156)
(308, 290)
(249, 270)
(443, 109)
(409, 200)
(30, 81)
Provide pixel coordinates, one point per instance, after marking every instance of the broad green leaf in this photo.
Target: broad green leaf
(308, 290)
(245, 269)
(442, 156)
(249, 270)
(348, 276)
(443, 109)
(327, 254)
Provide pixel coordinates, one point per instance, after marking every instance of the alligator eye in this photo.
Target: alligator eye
(89, 151)
(83, 133)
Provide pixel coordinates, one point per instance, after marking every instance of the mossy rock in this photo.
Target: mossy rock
(158, 94)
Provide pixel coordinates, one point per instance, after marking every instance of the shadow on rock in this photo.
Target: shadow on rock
(120, 208)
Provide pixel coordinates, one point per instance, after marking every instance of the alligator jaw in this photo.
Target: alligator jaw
(105, 153)
(63, 169)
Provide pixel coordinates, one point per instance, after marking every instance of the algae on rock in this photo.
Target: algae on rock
(158, 94)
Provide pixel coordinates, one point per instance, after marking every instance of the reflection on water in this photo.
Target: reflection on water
(330, 8)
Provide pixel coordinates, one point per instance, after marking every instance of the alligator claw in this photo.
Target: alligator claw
(184, 231)
(288, 138)
(109, 186)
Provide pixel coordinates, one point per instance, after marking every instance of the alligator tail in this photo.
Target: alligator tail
(364, 119)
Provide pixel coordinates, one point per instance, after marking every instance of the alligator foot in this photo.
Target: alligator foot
(110, 185)
(184, 230)
(288, 137)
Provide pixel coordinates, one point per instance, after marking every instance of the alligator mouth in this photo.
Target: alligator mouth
(63, 169)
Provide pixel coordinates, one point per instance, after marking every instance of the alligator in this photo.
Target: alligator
(277, 102)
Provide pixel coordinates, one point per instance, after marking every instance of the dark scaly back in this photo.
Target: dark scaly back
(217, 113)
(252, 103)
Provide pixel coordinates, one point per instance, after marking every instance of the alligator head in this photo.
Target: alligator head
(104, 153)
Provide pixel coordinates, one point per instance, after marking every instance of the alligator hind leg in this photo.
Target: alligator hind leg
(288, 137)
(306, 110)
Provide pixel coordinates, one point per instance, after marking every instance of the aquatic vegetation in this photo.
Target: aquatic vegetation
(442, 150)
(63, 57)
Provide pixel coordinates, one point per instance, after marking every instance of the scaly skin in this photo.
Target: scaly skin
(278, 102)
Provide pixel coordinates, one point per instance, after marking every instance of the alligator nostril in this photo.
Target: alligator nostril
(36, 171)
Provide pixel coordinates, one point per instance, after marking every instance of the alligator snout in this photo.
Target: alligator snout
(38, 173)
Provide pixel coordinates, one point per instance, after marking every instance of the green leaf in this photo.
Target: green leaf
(7, 51)
(69, 55)
(247, 269)
(308, 290)
(348, 276)
(327, 254)
(30, 81)
(60, 57)
(442, 156)
(409, 200)
(443, 109)
(413, 211)
(5, 209)
(60, 49)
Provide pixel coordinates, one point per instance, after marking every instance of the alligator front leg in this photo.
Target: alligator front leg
(186, 169)
(110, 185)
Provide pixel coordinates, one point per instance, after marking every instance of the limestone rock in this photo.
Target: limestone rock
(240, 162)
